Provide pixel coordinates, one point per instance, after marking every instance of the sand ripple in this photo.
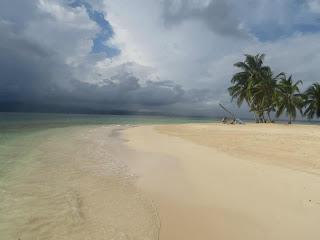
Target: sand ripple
(74, 185)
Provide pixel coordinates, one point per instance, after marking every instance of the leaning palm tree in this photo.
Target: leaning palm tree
(312, 101)
(251, 72)
(289, 98)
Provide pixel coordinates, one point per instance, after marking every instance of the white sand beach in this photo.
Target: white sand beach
(213, 181)
(159, 120)
(167, 182)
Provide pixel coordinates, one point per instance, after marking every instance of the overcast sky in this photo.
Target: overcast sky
(166, 56)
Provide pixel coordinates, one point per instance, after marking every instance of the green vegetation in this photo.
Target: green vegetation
(312, 101)
(265, 92)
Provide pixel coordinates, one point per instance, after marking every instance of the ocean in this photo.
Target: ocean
(62, 176)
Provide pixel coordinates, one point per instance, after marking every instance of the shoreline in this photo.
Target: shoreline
(206, 191)
(73, 184)
(190, 181)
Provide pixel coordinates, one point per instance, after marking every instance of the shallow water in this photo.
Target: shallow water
(63, 176)
(21, 132)
(68, 183)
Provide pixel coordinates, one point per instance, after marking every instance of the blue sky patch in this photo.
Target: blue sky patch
(99, 43)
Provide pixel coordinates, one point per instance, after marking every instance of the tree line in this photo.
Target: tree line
(269, 95)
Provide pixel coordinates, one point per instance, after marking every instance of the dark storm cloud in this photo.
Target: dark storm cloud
(26, 69)
(126, 92)
(35, 77)
(31, 75)
(218, 15)
(17, 11)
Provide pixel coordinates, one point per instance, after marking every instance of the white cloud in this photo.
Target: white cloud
(181, 53)
(185, 42)
(194, 56)
(66, 31)
(189, 49)
(314, 5)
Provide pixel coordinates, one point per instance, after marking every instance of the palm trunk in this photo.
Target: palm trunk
(268, 113)
(290, 119)
(255, 117)
(263, 118)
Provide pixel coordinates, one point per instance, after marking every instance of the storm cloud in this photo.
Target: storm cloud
(36, 75)
(31, 75)
(217, 15)
(168, 57)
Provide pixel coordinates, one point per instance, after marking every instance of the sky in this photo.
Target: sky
(150, 56)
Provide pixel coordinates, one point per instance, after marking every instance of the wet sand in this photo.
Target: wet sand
(73, 184)
(213, 181)
(168, 182)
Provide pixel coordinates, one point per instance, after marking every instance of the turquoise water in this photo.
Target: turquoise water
(19, 132)
(61, 177)
(10, 121)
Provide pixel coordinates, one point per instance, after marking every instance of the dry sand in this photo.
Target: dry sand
(195, 181)
(213, 181)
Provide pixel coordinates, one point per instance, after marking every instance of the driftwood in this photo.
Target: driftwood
(230, 120)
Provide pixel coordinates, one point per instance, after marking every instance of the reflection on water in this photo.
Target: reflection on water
(70, 183)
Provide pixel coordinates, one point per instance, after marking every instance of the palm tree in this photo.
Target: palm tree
(312, 101)
(289, 98)
(252, 71)
(240, 88)
(264, 92)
